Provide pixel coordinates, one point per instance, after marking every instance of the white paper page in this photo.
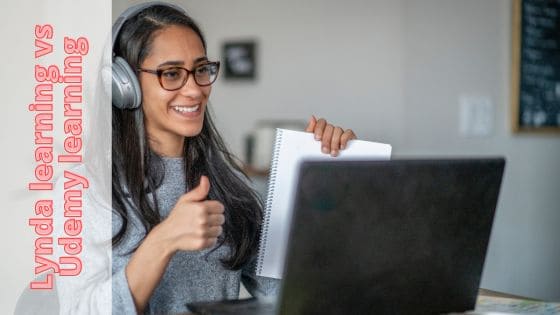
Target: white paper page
(294, 147)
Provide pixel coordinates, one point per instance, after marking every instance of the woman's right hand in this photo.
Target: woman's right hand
(194, 223)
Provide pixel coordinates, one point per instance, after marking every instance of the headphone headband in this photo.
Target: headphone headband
(132, 11)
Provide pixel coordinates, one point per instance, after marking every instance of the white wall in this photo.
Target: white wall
(409, 63)
(463, 47)
(305, 51)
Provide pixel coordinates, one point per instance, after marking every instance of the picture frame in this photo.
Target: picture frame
(240, 60)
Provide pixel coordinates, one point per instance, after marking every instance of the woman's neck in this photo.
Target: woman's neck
(168, 147)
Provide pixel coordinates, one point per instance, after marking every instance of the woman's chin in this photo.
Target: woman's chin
(192, 131)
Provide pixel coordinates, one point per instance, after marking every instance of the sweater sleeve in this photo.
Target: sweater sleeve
(122, 298)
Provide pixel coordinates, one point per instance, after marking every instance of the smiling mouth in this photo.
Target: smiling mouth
(186, 109)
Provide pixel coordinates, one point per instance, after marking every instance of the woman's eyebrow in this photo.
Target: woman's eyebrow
(171, 63)
(200, 59)
(180, 63)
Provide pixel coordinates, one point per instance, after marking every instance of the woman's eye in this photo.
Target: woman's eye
(171, 74)
(202, 69)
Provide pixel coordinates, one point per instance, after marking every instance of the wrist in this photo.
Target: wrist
(157, 240)
(147, 265)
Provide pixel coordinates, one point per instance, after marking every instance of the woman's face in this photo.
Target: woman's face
(170, 116)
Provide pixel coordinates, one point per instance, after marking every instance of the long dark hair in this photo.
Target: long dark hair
(137, 173)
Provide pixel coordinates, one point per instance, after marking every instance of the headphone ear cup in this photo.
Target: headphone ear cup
(126, 93)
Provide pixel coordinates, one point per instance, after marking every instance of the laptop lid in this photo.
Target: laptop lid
(390, 237)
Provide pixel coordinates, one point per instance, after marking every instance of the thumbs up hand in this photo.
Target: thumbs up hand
(194, 223)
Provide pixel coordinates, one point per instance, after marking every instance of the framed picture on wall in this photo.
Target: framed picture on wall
(240, 60)
(535, 83)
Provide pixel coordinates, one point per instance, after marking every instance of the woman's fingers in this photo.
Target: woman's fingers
(319, 128)
(333, 139)
(213, 232)
(311, 124)
(326, 139)
(216, 219)
(194, 224)
(346, 136)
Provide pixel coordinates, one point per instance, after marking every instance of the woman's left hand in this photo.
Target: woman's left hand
(333, 138)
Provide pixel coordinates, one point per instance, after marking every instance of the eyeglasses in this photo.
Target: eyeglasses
(174, 78)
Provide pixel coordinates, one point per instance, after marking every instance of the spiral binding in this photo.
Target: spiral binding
(269, 196)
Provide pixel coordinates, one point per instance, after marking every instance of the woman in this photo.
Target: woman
(172, 247)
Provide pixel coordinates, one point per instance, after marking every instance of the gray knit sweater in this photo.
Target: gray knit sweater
(190, 276)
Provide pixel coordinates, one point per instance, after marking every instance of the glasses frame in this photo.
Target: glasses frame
(159, 72)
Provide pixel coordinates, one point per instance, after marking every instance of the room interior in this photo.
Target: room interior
(406, 73)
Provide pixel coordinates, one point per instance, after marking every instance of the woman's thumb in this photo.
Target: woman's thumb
(200, 192)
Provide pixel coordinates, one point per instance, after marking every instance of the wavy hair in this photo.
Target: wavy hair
(137, 173)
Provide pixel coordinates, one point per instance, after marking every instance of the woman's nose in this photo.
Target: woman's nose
(191, 88)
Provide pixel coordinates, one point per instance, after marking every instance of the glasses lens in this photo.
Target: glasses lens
(173, 78)
(206, 74)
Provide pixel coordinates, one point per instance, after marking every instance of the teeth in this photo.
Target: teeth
(185, 109)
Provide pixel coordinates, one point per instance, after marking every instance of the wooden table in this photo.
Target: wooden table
(493, 301)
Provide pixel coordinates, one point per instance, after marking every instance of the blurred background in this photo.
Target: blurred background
(430, 77)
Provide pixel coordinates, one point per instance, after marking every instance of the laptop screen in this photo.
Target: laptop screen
(400, 236)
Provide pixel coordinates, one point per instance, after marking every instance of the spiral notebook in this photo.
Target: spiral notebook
(290, 148)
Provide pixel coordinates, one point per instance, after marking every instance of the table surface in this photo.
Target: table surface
(493, 301)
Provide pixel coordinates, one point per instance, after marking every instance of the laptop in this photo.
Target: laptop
(384, 237)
